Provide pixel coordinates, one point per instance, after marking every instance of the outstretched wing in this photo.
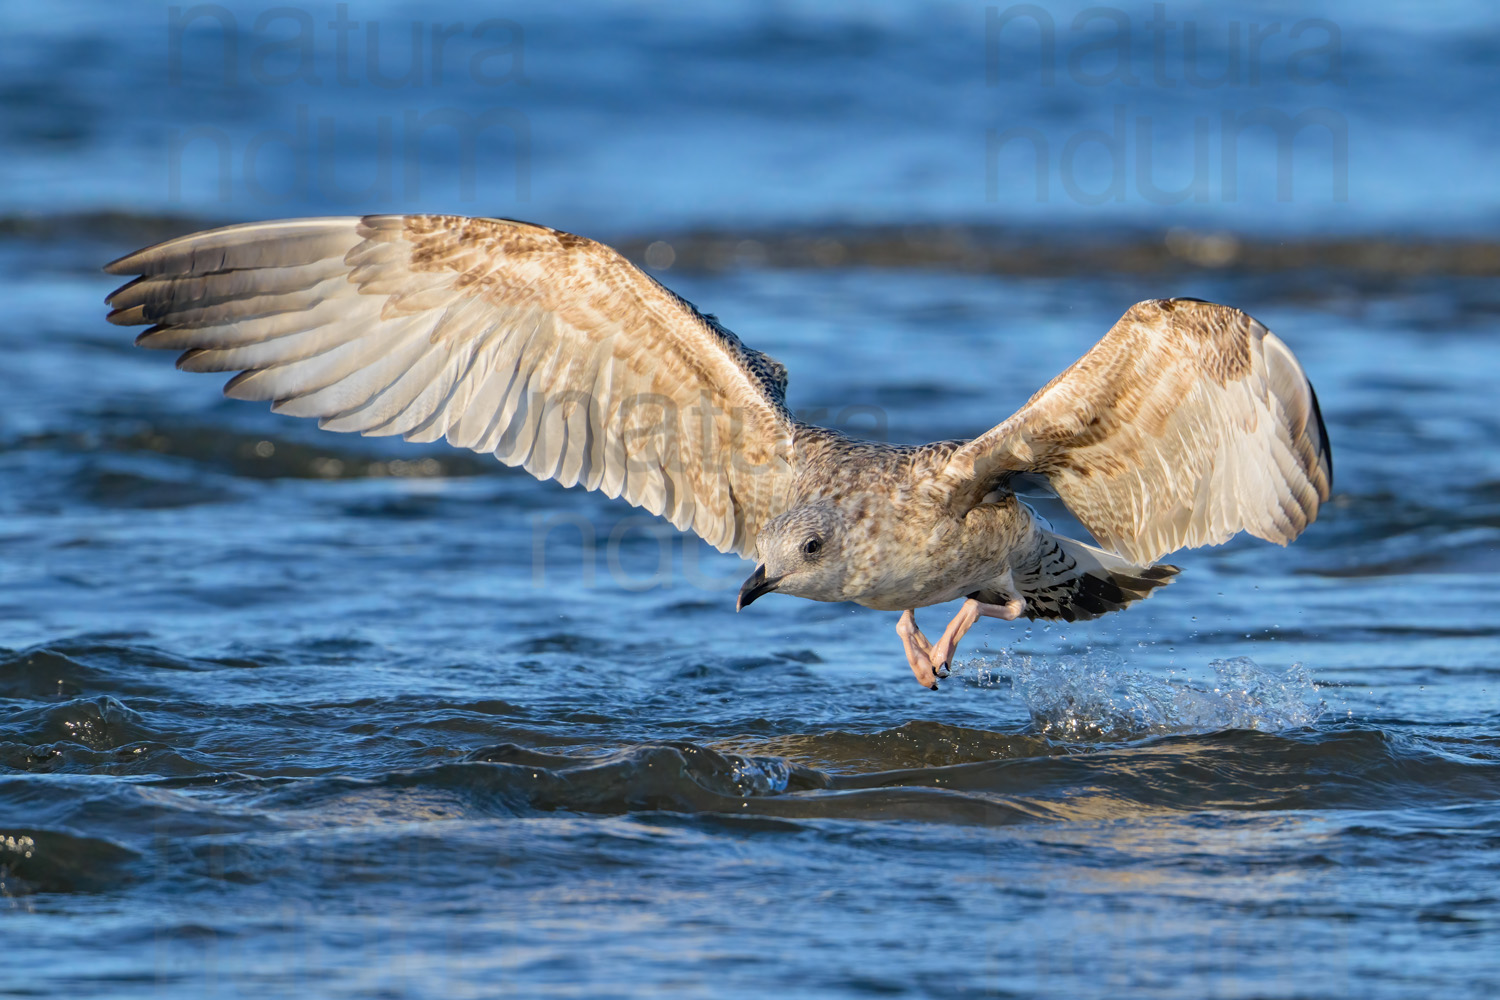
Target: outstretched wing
(1187, 424)
(546, 349)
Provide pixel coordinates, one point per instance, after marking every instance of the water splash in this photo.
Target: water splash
(1097, 695)
(759, 775)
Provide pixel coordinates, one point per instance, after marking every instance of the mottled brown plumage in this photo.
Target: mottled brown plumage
(1186, 424)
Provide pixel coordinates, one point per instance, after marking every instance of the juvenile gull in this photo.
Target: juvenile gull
(1187, 424)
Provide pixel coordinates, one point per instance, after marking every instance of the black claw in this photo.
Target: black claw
(934, 686)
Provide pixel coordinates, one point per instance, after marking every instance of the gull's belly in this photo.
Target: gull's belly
(946, 575)
(918, 595)
(950, 561)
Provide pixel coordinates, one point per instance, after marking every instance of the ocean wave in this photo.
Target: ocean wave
(81, 833)
(74, 667)
(38, 860)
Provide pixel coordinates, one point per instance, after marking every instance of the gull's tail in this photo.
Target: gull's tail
(1074, 581)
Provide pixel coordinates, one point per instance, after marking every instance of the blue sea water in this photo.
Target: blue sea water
(287, 713)
(612, 115)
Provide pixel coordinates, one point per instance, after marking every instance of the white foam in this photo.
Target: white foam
(1098, 695)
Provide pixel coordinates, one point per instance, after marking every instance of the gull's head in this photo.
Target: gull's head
(800, 553)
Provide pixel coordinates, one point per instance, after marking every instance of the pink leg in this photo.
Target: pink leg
(942, 653)
(918, 650)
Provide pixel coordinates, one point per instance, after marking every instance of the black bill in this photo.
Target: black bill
(754, 587)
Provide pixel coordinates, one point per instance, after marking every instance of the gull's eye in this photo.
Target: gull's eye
(812, 546)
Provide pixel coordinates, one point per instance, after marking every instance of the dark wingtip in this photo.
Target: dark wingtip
(109, 299)
(125, 264)
(1325, 449)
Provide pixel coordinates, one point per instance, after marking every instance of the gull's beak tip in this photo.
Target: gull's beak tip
(755, 586)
